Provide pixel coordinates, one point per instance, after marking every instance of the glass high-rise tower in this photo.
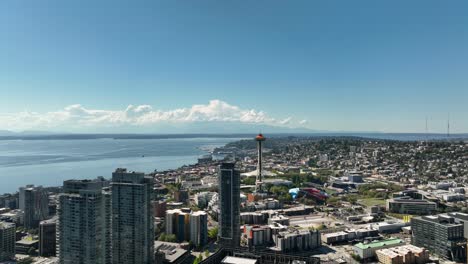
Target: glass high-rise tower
(229, 205)
(132, 218)
(35, 203)
(83, 226)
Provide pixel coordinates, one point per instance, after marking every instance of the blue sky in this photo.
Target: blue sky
(325, 65)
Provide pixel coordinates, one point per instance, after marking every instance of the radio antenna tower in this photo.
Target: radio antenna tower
(448, 125)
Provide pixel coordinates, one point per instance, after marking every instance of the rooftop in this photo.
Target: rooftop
(237, 260)
(389, 252)
(172, 251)
(414, 201)
(6, 225)
(377, 244)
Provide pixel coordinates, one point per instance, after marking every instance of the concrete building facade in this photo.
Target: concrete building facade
(36, 206)
(199, 228)
(411, 206)
(441, 234)
(47, 237)
(187, 225)
(132, 218)
(83, 222)
(7, 241)
(297, 240)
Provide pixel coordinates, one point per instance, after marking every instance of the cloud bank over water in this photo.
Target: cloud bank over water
(79, 117)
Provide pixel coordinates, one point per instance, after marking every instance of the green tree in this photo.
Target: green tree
(356, 257)
(333, 201)
(198, 259)
(249, 181)
(27, 260)
(171, 238)
(213, 233)
(167, 237)
(285, 198)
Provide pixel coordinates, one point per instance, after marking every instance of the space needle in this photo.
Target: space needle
(258, 183)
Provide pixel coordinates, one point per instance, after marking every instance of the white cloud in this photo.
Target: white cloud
(285, 121)
(303, 122)
(139, 115)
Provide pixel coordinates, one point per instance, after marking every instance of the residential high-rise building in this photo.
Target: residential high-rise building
(8, 200)
(7, 241)
(21, 195)
(178, 223)
(199, 228)
(83, 231)
(132, 218)
(36, 206)
(159, 208)
(187, 225)
(441, 234)
(183, 227)
(229, 205)
(47, 237)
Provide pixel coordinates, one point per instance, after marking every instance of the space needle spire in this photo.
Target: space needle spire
(259, 182)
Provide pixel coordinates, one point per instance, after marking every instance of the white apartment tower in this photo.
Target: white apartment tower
(198, 228)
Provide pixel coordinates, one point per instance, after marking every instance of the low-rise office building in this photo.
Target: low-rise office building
(388, 256)
(411, 206)
(258, 235)
(388, 227)
(297, 240)
(25, 245)
(407, 254)
(254, 218)
(348, 235)
(170, 253)
(280, 219)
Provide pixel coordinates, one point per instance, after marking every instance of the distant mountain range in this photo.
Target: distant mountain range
(225, 133)
(177, 128)
(4, 133)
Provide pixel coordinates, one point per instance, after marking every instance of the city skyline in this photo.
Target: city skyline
(253, 132)
(376, 66)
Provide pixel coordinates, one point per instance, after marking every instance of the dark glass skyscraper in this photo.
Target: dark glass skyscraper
(229, 205)
(36, 206)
